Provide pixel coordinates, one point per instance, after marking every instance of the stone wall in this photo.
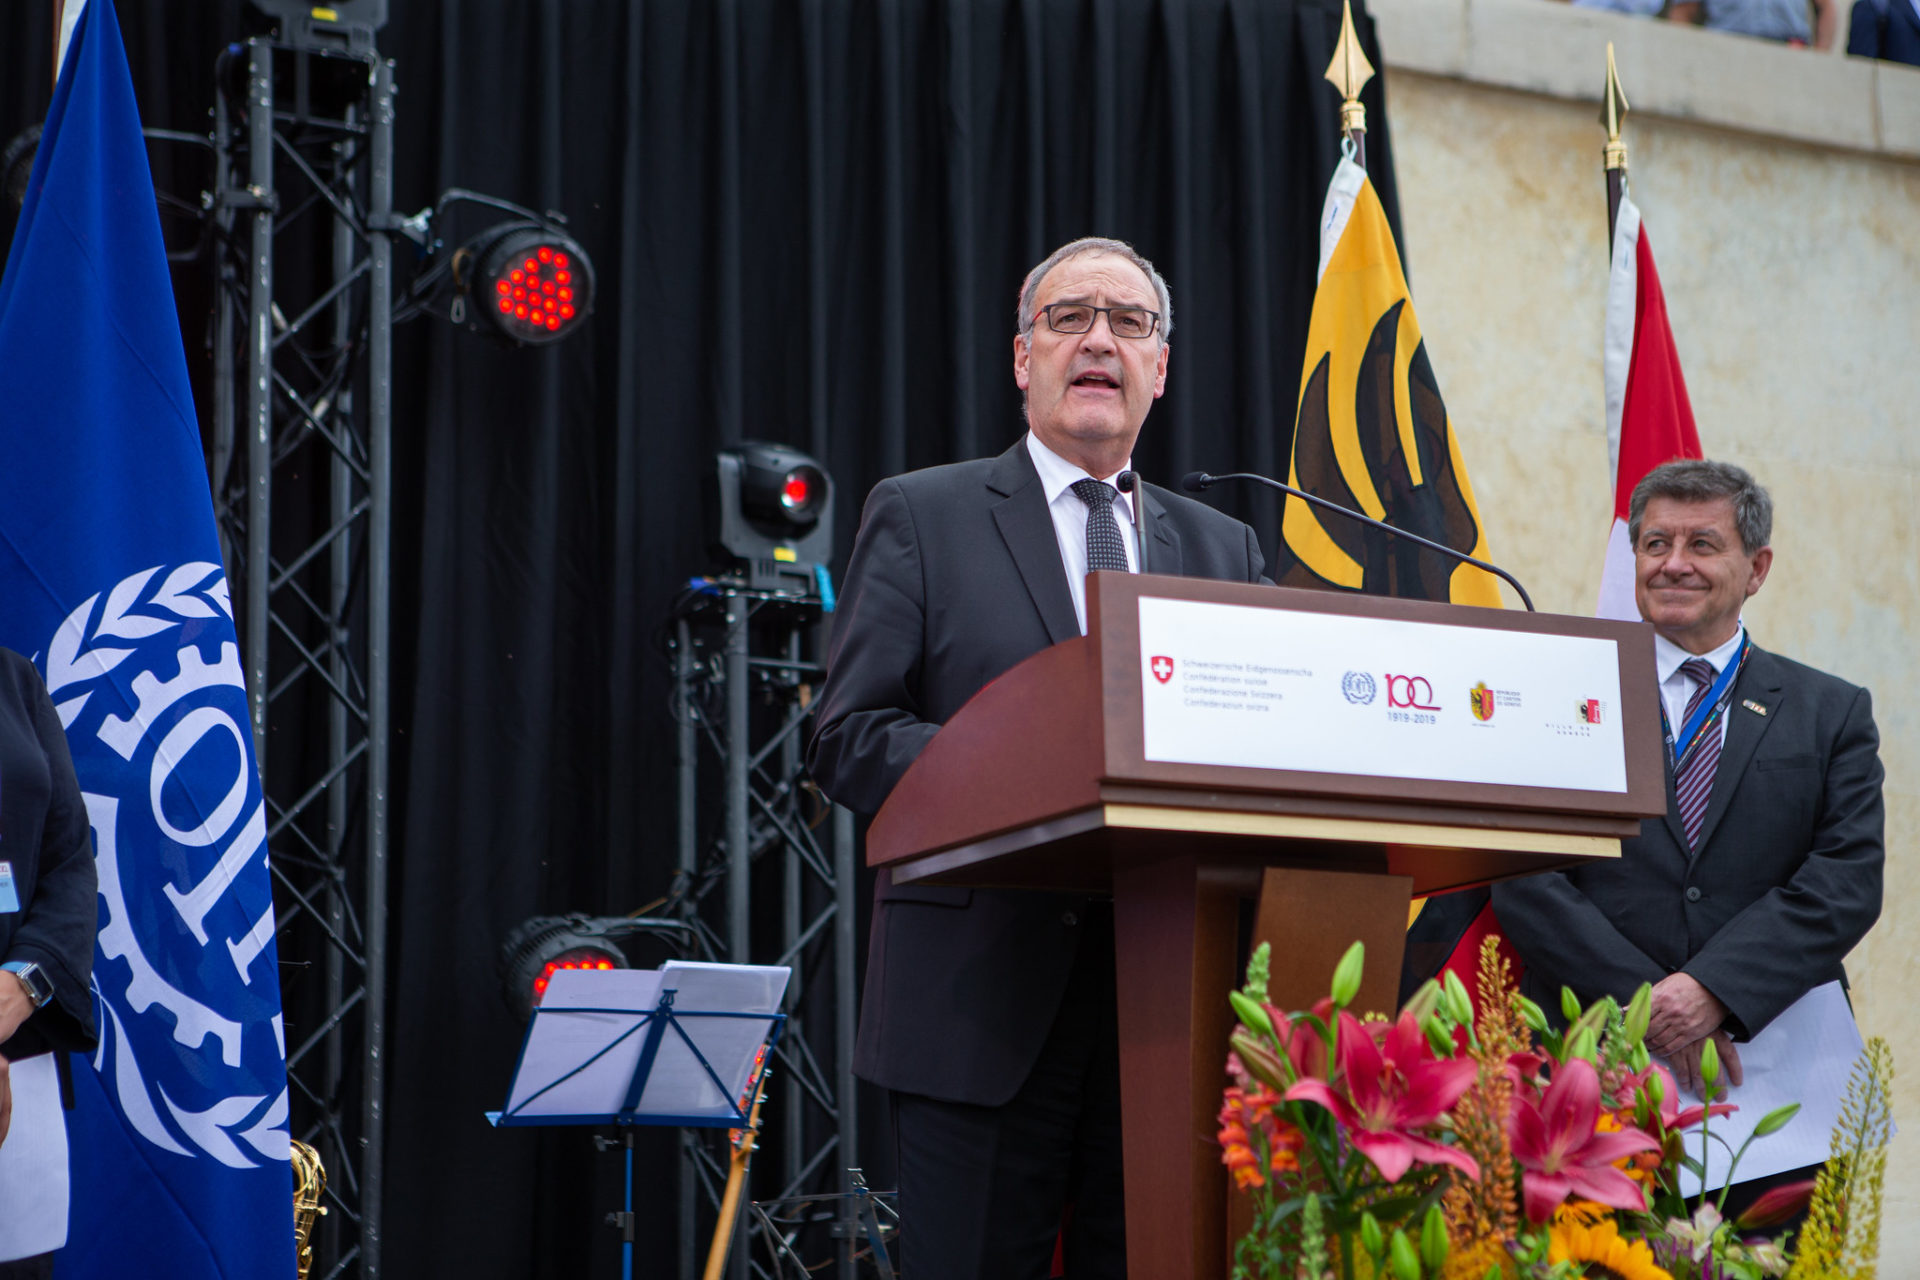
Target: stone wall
(1781, 192)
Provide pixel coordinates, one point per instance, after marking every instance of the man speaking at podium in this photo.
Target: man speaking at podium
(989, 1014)
(1767, 867)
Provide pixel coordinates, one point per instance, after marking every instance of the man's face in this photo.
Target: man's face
(1088, 393)
(1691, 575)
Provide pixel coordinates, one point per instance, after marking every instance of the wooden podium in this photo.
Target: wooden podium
(1059, 776)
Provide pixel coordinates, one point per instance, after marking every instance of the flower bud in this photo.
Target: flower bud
(1405, 1260)
(1639, 1012)
(1250, 1013)
(1459, 1003)
(1638, 1057)
(1656, 1090)
(1584, 1044)
(1423, 1001)
(1259, 969)
(1569, 1004)
(1439, 1037)
(1370, 1237)
(1776, 1120)
(1346, 975)
(1433, 1240)
(1709, 1065)
(1532, 1014)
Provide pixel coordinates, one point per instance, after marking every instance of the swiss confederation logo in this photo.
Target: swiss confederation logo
(146, 678)
(1590, 710)
(1481, 698)
(1358, 687)
(1412, 692)
(1162, 667)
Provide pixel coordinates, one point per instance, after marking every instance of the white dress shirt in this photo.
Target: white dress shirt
(1057, 476)
(1676, 688)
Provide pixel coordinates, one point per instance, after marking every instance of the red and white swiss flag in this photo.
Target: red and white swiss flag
(1648, 418)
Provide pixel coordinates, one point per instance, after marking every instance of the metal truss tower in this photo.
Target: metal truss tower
(301, 465)
(769, 879)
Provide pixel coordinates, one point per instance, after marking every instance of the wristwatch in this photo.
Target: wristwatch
(33, 978)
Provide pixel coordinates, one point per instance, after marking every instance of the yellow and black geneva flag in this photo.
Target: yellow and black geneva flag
(1372, 432)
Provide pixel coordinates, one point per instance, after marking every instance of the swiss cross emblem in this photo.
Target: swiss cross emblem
(1162, 668)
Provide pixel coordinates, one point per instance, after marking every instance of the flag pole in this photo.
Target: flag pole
(1613, 114)
(1349, 72)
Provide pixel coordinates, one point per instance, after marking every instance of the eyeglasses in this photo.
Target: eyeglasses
(1124, 322)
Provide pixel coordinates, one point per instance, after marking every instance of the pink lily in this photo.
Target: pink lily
(1394, 1086)
(1561, 1154)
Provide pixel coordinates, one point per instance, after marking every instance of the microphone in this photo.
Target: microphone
(1199, 481)
(1128, 482)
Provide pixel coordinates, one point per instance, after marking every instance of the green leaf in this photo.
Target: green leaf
(1346, 975)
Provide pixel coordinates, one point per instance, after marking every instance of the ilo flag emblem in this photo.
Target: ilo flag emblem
(111, 581)
(1162, 667)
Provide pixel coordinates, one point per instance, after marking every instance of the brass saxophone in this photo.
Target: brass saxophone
(309, 1181)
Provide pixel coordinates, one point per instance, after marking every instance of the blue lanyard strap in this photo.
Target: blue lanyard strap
(1707, 714)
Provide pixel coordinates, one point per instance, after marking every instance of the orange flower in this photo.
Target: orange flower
(1243, 1111)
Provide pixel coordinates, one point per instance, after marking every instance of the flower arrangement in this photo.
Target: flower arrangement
(1457, 1142)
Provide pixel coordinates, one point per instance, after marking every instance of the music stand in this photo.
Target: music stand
(681, 1046)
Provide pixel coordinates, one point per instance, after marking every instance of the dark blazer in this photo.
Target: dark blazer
(1887, 29)
(955, 577)
(1787, 878)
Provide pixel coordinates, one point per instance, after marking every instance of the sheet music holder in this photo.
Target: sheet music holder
(676, 1046)
(681, 1045)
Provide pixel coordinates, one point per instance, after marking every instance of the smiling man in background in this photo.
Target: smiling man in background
(989, 1014)
(1766, 869)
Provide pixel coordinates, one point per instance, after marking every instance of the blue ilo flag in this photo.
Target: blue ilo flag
(110, 578)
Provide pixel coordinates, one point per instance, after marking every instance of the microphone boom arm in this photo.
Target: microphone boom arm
(1199, 480)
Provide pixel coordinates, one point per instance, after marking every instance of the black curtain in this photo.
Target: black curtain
(808, 219)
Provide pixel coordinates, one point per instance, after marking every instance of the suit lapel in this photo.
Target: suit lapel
(1157, 535)
(1758, 682)
(1027, 527)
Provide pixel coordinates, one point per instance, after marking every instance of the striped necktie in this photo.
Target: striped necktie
(1693, 780)
(1105, 548)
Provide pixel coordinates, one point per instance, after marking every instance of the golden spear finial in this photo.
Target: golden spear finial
(1349, 72)
(1613, 114)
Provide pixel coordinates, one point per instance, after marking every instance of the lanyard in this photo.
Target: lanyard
(1707, 714)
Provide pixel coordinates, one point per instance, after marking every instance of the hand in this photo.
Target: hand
(1686, 1065)
(14, 1005)
(1683, 1013)
(6, 1101)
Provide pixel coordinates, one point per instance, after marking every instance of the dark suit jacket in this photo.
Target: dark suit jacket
(1888, 29)
(1787, 878)
(956, 576)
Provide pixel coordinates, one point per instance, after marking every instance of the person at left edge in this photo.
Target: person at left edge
(988, 1015)
(48, 916)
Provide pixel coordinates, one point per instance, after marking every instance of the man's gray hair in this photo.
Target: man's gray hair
(1704, 480)
(1030, 287)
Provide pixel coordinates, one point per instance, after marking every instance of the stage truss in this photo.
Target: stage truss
(302, 351)
(742, 699)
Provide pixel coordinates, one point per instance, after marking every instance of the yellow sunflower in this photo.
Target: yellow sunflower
(1597, 1243)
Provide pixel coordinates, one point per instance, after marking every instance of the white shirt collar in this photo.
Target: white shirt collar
(1668, 656)
(1057, 475)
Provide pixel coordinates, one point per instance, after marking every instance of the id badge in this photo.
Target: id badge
(9, 896)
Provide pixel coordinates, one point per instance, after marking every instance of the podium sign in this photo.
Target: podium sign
(1223, 684)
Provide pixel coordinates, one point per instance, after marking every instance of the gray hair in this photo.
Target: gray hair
(1030, 287)
(1704, 480)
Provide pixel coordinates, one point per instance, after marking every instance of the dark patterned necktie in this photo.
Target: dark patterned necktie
(1105, 548)
(1693, 779)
